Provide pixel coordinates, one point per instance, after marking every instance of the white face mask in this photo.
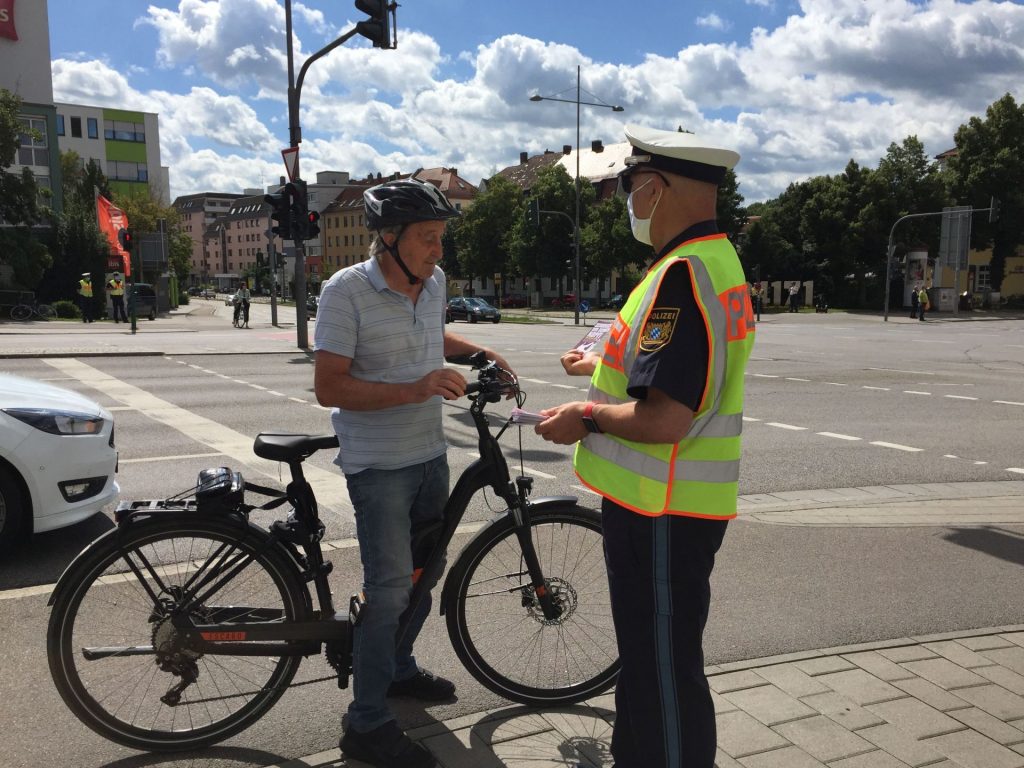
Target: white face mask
(641, 227)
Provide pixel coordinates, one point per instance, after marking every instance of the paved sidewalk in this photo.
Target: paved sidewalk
(942, 701)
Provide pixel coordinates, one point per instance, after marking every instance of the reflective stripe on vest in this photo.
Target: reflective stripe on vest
(85, 289)
(698, 476)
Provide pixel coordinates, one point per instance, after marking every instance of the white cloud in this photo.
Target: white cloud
(712, 21)
(839, 79)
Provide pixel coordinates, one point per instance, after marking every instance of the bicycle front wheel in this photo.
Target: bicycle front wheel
(46, 311)
(116, 657)
(495, 620)
(21, 312)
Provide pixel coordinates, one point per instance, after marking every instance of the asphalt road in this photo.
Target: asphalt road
(832, 401)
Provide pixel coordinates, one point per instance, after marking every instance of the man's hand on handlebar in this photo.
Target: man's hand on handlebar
(446, 382)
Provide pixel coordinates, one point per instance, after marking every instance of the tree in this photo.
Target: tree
(480, 235)
(607, 240)
(20, 248)
(547, 250)
(144, 213)
(989, 163)
(730, 213)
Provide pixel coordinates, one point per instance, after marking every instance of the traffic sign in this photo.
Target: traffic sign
(291, 162)
(584, 307)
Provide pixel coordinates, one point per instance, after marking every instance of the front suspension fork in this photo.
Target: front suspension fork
(523, 528)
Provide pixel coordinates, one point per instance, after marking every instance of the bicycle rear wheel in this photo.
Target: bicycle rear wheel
(496, 624)
(21, 312)
(108, 613)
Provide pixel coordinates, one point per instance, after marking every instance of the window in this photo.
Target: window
(76, 127)
(124, 131)
(60, 125)
(984, 278)
(34, 149)
(93, 127)
(125, 171)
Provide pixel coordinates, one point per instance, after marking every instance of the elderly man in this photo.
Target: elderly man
(659, 439)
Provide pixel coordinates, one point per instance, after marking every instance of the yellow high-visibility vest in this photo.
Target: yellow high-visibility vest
(699, 475)
(85, 288)
(116, 288)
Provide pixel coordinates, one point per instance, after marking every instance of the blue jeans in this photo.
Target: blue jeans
(391, 506)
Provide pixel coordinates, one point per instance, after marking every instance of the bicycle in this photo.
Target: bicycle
(25, 310)
(159, 629)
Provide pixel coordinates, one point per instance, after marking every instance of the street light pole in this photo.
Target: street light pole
(576, 181)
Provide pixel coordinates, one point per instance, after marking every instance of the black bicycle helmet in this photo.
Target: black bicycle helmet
(407, 201)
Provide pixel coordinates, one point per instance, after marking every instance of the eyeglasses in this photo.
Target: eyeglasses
(626, 179)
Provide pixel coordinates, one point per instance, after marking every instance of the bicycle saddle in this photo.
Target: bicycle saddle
(289, 447)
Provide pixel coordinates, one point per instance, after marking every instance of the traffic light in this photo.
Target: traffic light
(280, 211)
(299, 210)
(124, 238)
(533, 212)
(993, 212)
(312, 225)
(377, 28)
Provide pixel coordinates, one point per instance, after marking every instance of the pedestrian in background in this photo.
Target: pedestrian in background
(380, 345)
(115, 288)
(914, 299)
(794, 297)
(757, 294)
(241, 300)
(85, 297)
(923, 302)
(659, 440)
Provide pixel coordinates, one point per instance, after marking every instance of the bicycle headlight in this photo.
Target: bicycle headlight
(58, 422)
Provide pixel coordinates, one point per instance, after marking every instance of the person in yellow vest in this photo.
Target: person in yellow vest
(659, 439)
(85, 297)
(115, 288)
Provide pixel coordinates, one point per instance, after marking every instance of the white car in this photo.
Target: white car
(57, 457)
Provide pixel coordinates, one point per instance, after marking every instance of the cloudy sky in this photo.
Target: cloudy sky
(797, 87)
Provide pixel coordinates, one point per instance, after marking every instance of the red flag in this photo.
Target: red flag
(111, 219)
(7, 20)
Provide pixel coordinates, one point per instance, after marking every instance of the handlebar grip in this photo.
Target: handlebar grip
(474, 386)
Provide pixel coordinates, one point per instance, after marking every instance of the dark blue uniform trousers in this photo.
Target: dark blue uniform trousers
(659, 571)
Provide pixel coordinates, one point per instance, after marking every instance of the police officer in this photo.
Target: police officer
(85, 297)
(659, 440)
(115, 288)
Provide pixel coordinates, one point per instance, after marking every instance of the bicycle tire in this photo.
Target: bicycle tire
(502, 642)
(46, 312)
(119, 696)
(21, 312)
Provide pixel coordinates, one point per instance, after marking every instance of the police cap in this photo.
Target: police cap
(677, 152)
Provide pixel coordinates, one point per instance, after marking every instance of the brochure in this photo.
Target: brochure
(520, 416)
(601, 327)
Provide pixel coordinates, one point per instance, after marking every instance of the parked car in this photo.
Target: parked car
(472, 309)
(615, 302)
(57, 458)
(143, 295)
(565, 300)
(514, 300)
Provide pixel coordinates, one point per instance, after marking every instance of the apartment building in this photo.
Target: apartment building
(197, 213)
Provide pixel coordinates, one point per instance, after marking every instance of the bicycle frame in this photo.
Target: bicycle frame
(304, 530)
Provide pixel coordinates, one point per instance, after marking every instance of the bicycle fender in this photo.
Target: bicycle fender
(109, 540)
(541, 502)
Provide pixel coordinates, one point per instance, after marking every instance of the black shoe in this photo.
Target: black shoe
(424, 686)
(386, 747)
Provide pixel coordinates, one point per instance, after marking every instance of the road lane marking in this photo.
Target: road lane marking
(914, 392)
(750, 418)
(765, 375)
(1018, 470)
(299, 400)
(794, 378)
(784, 426)
(897, 446)
(329, 487)
(837, 384)
(898, 370)
(960, 397)
(170, 458)
(1006, 402)
(565, 386)
(838, 436)
(276, 393)
(536, 381)
(880, 389)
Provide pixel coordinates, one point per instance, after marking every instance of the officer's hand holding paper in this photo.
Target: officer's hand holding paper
(582, 359)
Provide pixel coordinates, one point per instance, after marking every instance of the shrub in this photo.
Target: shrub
(66, 309)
